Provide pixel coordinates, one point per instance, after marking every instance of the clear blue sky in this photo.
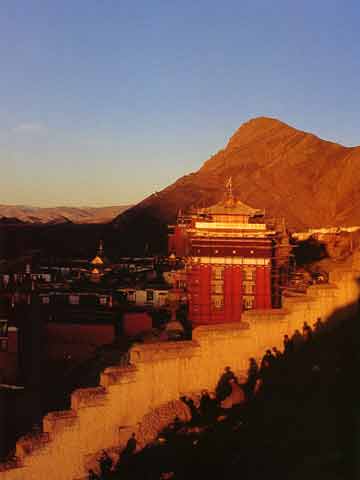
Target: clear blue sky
(104, 102)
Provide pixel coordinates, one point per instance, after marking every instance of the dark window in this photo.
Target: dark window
(3, 328)
(3, 344)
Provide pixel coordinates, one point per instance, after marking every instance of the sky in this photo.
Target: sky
(103, 102)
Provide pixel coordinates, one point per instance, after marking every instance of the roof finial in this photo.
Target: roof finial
(101, 249)
(229, 190)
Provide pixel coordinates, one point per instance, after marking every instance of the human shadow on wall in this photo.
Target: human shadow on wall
(344, 326)
(304, 423)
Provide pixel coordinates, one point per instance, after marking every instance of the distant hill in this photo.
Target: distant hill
(61, 214)
(291, 173)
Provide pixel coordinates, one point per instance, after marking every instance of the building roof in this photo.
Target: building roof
(97, 260)
(231, 207)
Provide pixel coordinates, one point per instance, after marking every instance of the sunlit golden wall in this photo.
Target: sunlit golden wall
(103, 417)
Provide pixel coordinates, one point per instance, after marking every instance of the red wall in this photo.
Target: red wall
(201, 311)
(263, 288)
(232, 294)
(236, 294)
(178, 241)
(135, 323)
(204, 293)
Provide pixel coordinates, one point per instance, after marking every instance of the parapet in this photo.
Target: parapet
(118, 375)
(54, 422)
(99, 415)
(220, 330)
(88, 397)
(30, 443)
(153, 352)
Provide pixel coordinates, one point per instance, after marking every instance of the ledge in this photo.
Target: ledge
(56, 421)
(88, 397)
(11, 465)
(118, 375)
(297, 300)
(276, 312)
(221, 327)
(324, 286)
(30, 443)
(153, 352)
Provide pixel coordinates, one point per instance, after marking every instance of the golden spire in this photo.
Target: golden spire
(101, 249)
(229, 191)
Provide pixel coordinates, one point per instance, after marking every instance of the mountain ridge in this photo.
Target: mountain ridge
(291, 173)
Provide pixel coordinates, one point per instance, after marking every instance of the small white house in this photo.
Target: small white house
(151, 297)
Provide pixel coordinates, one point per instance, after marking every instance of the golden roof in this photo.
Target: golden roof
(97, 260)
(230, 207)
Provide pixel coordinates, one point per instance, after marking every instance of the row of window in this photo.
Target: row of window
(247, 288)
(73, 300)
(217, 302)
(150, 296)
(249, 273)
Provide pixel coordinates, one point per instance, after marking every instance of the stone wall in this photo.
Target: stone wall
(128, 398)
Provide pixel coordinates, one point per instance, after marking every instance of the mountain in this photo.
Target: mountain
(61, 214)
(292, 174)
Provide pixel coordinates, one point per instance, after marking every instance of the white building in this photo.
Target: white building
(150, 297)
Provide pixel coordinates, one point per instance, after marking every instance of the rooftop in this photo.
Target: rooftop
(230, 206)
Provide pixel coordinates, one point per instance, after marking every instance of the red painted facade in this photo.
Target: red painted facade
(177, 241)
(263, 288)
(228, 250)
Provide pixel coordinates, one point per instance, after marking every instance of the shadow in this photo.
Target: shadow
(303, 423)
(309, 251)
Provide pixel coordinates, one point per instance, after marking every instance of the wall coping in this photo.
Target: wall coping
(151, 352)
(30, 443)
(116, 375)
(55, 421)
(88, 397)
(222, 327)
(11, 465)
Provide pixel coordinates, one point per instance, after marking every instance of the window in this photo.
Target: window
(218, 273)
(218, 288)
(3, 328)
(162, 298)
(3, 344)
(131, 296)
(217, 302)
(249, 288)
(74, 299)
(248, 302)
(249, 274)
(103, 300)
(149, 296)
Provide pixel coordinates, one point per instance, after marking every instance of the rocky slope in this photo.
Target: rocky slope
(292, 174)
